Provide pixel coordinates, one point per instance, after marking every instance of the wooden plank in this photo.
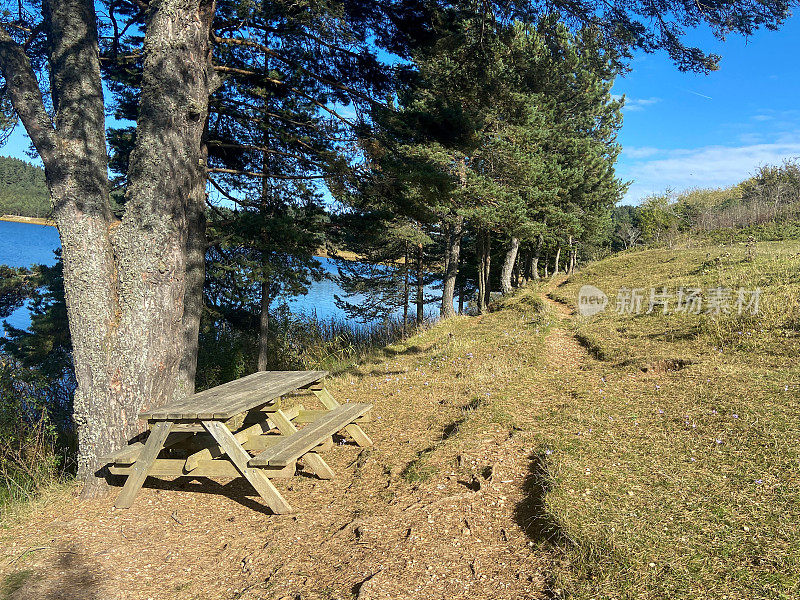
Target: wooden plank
(309, 416)
(263, 425)
(153, 445)
(259, 443)
(222, 468)
(227, 400)
(187, 407)
(312, 460)
(175, 410)
(304, 440)
(126, 455)
(239, 458)
(287, 384)
(215, 451)
(328, 401)
(259, 414)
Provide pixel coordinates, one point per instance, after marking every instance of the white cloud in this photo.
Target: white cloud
(710, 166)
(635, 104)
(640, 151)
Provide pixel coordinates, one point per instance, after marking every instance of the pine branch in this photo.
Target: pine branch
(26, 97)
(219, 144)
(261, 174)
(269, 51)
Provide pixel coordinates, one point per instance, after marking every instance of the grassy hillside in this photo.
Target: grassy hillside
(684, 483)
(22, 189)
(655, 458)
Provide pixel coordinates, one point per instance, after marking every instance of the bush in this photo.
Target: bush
(37, 443)
(296, 342)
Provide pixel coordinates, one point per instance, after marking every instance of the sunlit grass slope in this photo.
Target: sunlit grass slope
(672, 464)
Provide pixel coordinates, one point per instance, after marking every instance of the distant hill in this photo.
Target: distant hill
(22, 189)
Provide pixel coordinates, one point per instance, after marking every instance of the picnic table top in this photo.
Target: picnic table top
(228, 400)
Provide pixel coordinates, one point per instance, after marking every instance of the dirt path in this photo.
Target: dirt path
(564, 352)
(433, 511)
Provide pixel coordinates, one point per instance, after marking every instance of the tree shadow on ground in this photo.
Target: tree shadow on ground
(239, 490)
(531, 514)
(71, 575)
(538, 523)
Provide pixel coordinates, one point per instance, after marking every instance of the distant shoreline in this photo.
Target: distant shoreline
(321, 252)
(30, 220)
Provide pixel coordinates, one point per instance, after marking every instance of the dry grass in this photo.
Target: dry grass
(448, 531)
(510, 462)
(684, 483)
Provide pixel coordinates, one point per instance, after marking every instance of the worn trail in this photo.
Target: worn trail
(440, 508)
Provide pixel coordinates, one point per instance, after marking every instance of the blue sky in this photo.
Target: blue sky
(684, 130)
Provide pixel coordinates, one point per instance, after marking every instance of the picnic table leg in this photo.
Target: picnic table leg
(211, 452)
(329, 402)
(239, 458)
(153, 445)
(312, 459)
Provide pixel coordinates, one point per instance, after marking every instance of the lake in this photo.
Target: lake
(23, 245)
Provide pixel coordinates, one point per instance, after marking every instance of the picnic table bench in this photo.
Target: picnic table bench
(212, 434)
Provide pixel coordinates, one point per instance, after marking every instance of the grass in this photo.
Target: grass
(12, 582)
(641, 457)
(683, 483)
(297, 342)
(665, 456)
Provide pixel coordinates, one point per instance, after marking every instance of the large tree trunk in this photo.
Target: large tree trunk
(508, 266)
(452, 259)
(125, 282)
(196, 246)
(527, 269)
(151, 242)
(484, 270)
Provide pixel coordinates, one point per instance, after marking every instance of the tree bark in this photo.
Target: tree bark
(487, 263)
(460, 284)
(406, 294)
(516, 277)
(265, 213)
(452, 261)
(263, 327)
(571, 268)
(421, 285)
(536, 254)
(484, 270)
(508, 266)
(196, 246)
(527, 269)
(555, 262)
(125, 282)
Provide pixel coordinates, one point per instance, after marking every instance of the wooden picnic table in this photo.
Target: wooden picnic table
(213, 433)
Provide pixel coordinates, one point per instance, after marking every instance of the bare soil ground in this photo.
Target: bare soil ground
(441, 507)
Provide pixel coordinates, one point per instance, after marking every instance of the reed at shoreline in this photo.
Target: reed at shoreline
(30, 220)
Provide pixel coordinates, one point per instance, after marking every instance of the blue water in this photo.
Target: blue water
(23, 245)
